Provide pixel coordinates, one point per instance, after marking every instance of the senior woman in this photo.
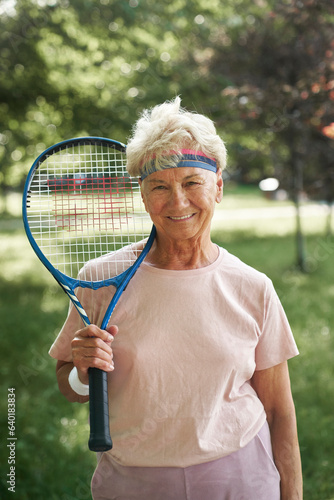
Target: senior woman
(199, 390)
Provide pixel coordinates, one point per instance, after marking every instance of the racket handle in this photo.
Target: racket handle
(99, 439)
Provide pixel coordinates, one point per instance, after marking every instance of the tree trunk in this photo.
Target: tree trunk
(329, 219)
(298, 185)
(300, 240)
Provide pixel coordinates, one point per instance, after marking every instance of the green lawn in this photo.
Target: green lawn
(52, 458)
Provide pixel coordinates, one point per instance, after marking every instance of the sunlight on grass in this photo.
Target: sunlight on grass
(263, 217)
(243, 196)
(263, 226)
(13, 203)
(18, 258)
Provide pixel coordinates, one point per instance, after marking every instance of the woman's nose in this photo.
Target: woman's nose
(178, 197)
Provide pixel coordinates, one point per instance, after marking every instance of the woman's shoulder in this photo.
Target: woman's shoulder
(234, 267)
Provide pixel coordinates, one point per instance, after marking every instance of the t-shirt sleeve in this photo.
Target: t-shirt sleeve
(276, 342)
(61, 348)
(94, 303)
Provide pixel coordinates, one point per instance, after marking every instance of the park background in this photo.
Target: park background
(263, 70)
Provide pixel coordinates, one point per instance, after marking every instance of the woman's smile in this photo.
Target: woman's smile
(180, 217)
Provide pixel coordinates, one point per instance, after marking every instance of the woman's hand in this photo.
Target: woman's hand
(91, 348)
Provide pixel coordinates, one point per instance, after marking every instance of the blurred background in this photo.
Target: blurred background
(263, 70)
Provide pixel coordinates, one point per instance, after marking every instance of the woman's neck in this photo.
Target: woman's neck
(182, 255)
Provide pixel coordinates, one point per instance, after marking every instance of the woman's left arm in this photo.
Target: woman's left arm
(273, 388)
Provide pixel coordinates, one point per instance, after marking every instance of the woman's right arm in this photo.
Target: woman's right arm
(91, 348)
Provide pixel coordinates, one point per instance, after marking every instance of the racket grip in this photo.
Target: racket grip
(99, 439)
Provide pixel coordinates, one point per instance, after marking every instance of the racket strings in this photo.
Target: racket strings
(82, 207)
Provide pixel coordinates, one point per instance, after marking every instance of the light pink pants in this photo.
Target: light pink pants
(247, 474)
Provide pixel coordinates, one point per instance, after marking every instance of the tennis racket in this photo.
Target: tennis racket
(85, 219)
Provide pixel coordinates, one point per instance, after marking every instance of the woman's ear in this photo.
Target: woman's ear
(219, 186)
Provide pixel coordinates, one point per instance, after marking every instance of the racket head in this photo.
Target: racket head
(85, 219)
(81, 206)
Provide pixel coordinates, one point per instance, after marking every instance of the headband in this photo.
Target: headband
(189, 158)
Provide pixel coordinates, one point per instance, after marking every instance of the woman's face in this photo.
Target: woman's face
(181, 200)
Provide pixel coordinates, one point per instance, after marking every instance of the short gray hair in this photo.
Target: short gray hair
(169, 128)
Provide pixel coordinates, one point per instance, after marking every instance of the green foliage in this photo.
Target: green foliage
(65, 75)
(86, 67)
(280, 65)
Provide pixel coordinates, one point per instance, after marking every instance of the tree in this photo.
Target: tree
(281, 70)
(263, 70)
(79, 68)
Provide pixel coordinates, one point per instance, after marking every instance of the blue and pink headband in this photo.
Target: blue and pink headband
(190, 158)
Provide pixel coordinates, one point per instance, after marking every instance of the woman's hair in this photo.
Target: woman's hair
(161, 132)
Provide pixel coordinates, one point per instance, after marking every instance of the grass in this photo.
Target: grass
(52, 459)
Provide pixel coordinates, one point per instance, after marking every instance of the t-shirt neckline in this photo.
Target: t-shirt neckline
(185, 272)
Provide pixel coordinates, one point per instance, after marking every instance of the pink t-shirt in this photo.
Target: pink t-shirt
(188, 345)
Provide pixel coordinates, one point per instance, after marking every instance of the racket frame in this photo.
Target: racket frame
(99, 439)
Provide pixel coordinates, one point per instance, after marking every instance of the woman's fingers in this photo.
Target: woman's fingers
(93, 331)
(91, 348)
